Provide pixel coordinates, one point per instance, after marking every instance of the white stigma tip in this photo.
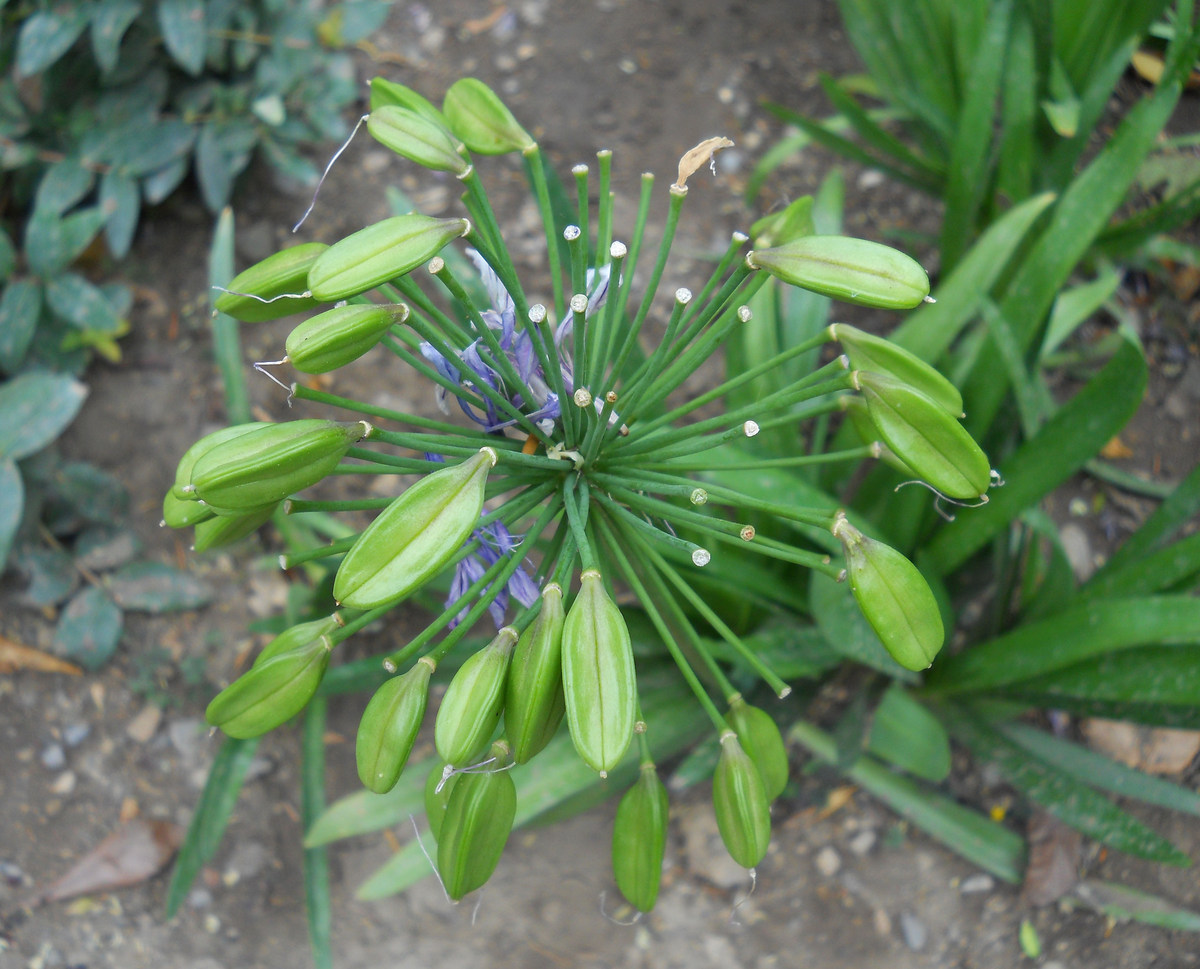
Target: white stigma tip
(747, 534)
(740, 237)
(537, 313)
(699, 496)
(617, 250)
(579, 303)
(750, 428)
(611, 397)
(571, 233)
(745, 314)
(683, 296)
(579, 169)
(582, 397)
(389, 666)
(701, 557)
(436, 265)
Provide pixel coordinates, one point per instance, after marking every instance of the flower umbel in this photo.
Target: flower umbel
(580, 456)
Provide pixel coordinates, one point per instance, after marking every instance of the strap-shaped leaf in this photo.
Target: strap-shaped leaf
(1068, 800)
(1035, 650)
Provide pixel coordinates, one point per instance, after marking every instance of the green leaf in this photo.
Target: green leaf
(906, 734)
(976, 838)
(121, 200)
(1068, 800)
(8, 256)
(1169, 517)
(63, 185)
(1120, 902)
(110, 20)
(157, 185)
(846, 629)
(35, 408)
(90, 493)
(12, 504)
(1075, 305)
(103, 547)
(1168, 675)
(1072, 436)
(53, 243)
(89, 629)
(1034, 650)
(145, 148)
(1080, 216)
(221, 789)
(212, 169)
(47, 35)
(968, 172)
(183, 31)
(227, 347)
(20, 309)
(317, 904)
(50, 572)
(156, 588)
(1099, 771)
(76, 301)
(930, 329)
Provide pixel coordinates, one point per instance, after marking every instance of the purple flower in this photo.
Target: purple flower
(495, 540)
(468, 369)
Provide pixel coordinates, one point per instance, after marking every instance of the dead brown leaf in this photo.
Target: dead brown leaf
(702, 154)
(14, 656)
(1054, 853)
(135, 852)
(838, 798)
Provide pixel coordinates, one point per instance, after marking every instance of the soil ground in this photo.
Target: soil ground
(853, 889)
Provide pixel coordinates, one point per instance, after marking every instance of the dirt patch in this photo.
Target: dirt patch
(648, 80)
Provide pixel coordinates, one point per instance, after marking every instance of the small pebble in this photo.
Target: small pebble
(199, 898)
(862, 843)
(913, 930)
(212, 924)
(142, 727)
(975, 884)
(828, 861)
(64, 784)
(74, 734)
(12, 873)
(53, 757)
(883, 922)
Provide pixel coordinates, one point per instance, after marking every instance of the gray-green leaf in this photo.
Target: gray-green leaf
(34, 409)
(89, 629)
(183, 29)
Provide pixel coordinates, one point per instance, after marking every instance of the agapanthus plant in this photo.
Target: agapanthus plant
(566, 476)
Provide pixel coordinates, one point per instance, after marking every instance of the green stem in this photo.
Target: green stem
(536, 172)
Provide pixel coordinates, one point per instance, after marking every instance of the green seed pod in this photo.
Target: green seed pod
(220, 531)
(182, 488)
(640, 839)
(855, 408)
(380, 252)
(926, 438)
(477, 116)
(793, 222)
(598, 676)
(179, 513)
(853, 270)
(299, 635)
(474, 700)
(763, 743)
(534, 703)
(273, 279)
(893, 596)
(272, 462)
(435, 799)
(478, 820)
(740, 804)
(389, 727)
(874, 353)
(338, 336)
(272, 692)
(415, 536)
(418, 138)
(385, 92)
